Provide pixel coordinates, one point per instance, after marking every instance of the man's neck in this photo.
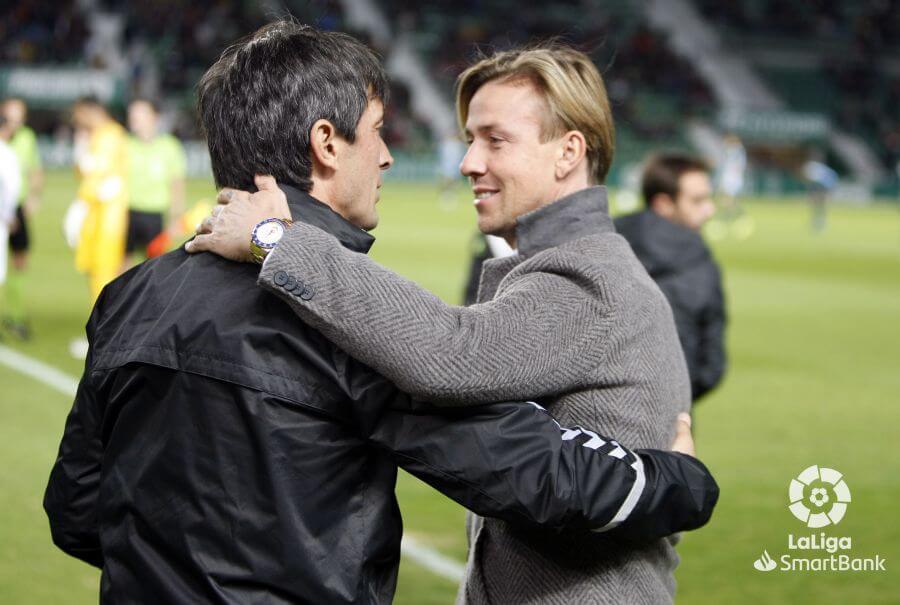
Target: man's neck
(565, 189)
(324, 192)
(307, 208)
(673, 220)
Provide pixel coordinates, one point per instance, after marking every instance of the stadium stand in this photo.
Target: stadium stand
(832, 57)
(34, 32)
(652, 90)
(810, 55)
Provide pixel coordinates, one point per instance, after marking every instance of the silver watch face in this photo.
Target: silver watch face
(269, 233)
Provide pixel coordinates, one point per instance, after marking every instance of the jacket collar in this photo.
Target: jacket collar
(663, 246)
(307, 209)
(574, 216)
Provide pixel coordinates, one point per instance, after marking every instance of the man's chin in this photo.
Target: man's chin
(490, 229)
(369, 223)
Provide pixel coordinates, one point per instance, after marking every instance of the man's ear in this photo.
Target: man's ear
(573, 148)
(323, 144)
(663, 205)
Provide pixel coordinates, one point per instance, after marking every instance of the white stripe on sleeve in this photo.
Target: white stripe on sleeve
(637, 488)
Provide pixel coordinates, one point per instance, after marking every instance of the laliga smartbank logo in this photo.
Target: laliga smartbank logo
(818, 497)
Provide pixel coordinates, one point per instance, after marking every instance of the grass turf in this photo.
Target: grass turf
(814, 341)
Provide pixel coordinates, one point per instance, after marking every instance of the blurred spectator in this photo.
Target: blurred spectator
(822, 180)
(156, 180)
(24, 144)
(102, 164)
(10, 182)
(666, 239)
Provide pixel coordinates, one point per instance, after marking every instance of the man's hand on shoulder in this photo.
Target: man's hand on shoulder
(228, 228)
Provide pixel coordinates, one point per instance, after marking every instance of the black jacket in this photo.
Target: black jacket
(221, 451)
(681, 264)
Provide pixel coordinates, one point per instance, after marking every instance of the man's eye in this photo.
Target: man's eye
(495, 140)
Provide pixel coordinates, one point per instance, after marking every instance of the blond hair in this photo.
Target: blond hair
(571, 86)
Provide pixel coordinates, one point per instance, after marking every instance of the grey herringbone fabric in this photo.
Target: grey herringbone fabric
(573, 319)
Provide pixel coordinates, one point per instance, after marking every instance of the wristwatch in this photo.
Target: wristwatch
(266, 235)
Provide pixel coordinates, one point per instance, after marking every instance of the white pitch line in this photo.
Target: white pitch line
(38, 370)
(430, 559)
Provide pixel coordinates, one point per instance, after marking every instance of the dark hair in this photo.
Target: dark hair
(662, 172)
(259, 101)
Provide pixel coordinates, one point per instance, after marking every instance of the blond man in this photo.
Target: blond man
(572, 319)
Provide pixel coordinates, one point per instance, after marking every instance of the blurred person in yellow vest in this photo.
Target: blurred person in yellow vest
(102, 163)
(156, 181)
(24, 145)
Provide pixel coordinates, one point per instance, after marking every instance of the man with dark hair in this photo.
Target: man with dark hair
(666, 239)
(220, 450)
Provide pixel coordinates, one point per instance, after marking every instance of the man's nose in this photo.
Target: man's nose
(473, 162)
(385, 160)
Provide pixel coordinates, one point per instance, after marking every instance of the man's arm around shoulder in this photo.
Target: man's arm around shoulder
(515, 462)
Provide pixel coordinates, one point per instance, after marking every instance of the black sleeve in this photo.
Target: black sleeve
(711, 361)
(514, 461)
(72, 492)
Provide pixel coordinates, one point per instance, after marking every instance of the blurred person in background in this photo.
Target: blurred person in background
(24, 144)
(450, 153)
(666, 238)
(572, 318)
(101, 161)
(221, 450)
(730, 172)
(156, 180)
(821, 180)
(10, 186)
(102, 165)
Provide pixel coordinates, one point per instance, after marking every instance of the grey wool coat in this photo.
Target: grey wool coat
(572, 320)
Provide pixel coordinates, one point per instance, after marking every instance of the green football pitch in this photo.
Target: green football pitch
(814, 379)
